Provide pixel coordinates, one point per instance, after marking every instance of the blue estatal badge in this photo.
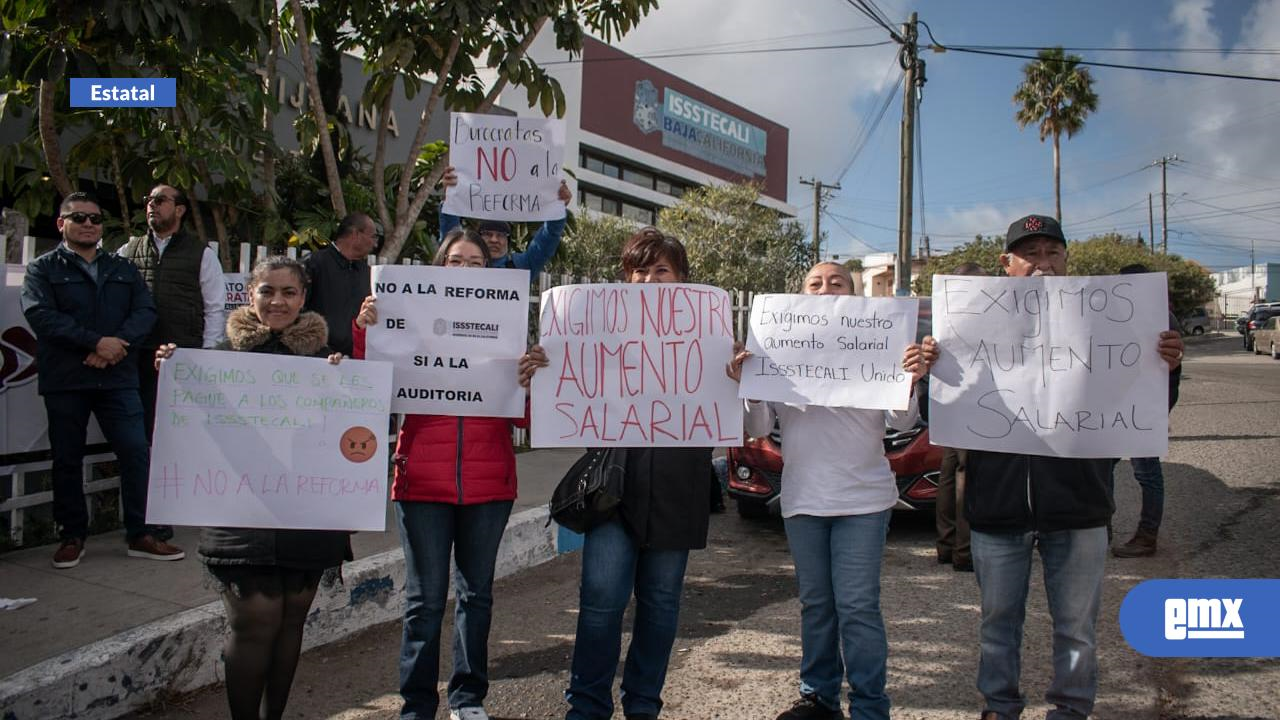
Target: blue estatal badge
(1203, 618)
(124, 92)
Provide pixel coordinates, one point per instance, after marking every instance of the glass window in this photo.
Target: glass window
(611, 169)
(637, 177)
(591, 200)
(610, 206)
(662, 186)
(594, 164)
(637, 213)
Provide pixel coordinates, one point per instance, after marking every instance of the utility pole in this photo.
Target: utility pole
(1151, 225)
(1164, 200)
(818, 187)
(914, 69)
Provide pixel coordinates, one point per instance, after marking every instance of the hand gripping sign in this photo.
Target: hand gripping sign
(454, 336)
(1059, 366)
(635, 365)
(270, 441)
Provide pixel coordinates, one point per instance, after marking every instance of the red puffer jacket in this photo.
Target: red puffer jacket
(450, 459)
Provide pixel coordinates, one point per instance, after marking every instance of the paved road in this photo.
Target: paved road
(738, 651)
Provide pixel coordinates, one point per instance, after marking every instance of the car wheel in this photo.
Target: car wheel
(752, 509)
(1197, 330)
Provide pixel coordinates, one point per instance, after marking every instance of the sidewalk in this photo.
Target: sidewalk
(110, 634)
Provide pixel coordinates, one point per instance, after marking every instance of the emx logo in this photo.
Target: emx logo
(1203, 618)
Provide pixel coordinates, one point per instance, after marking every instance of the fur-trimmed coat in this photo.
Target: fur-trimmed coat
(297, 549)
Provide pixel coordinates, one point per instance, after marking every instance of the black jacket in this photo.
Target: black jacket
(1019, 493)
(299, 549)
(338, 286)
(70, 313)
(665, 500)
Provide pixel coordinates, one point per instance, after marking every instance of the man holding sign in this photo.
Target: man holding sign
(1016, 502)
(506, 169)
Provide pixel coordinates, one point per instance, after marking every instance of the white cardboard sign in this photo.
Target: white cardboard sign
(454, 336)
(636, 365)
(508, 167)
(1058, 366)
(270, 441)
(830, 350)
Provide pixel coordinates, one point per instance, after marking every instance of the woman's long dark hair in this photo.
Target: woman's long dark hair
(455, 236)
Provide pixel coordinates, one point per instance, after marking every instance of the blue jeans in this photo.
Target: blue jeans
(1074, 563)
(1150, 477)
(612, 567)
(119, 414)
(427, 532)
(842, 633)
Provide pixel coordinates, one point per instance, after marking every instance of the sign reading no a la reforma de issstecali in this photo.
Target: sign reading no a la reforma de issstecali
(1059, 366)
(508, 167)
(454, 336)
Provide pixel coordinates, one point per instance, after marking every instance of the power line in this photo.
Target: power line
(1121, 66)
(756, 51)
(866, 132)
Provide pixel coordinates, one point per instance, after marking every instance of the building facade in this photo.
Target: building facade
(1241, 287)
(637, 137)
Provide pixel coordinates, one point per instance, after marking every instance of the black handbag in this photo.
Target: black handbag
(591, 491)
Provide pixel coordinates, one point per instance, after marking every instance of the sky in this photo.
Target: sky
(979, 170)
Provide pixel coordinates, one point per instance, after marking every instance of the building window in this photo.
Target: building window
(637, 177)
(637, 213)
(611, 206)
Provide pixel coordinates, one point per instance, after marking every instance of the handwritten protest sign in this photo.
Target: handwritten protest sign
(454, 336)
(270, 441)
(508, 167)
(237, 285)
(831, 350)
(636, 365)
(1060, 366)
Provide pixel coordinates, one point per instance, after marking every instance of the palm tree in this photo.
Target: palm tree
(1057, 94)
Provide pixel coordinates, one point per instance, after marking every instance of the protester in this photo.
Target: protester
(837, 494)
(1148, 471)
(664, 514)
(1016, 503)
(90, 311)
(953, 528)
(185, 278)
(269, 577)
(340, 277)
(455, 483)
(497, 235)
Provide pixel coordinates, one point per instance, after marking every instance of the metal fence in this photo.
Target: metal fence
(28, 477)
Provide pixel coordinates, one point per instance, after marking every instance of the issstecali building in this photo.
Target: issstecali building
(637, 137)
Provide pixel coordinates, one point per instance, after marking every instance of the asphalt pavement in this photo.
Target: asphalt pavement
(737, 653)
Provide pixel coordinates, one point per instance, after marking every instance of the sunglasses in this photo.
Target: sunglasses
(80, 217)
(158, 199)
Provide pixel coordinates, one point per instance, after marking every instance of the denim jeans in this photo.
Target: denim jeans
(612, 567)
(1074, 564)
(1150, 476)
(427, 532)
(842, 633)
(119, 414)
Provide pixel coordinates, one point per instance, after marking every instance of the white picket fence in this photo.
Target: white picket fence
(19, 502)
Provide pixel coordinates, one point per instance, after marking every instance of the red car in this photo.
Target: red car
(755, 471)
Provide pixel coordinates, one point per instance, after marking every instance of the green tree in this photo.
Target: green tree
(1190, 285)
(1056, 95)
(983, 251)
(735, 243)
(592, 246)
(453, 41)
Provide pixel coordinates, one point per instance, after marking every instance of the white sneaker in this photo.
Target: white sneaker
(468, 713)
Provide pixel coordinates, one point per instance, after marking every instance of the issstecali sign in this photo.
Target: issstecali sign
(700, 130)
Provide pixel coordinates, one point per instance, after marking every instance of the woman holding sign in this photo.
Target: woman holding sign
(664, 514)
(269, 577)
(837, 494)
(455, 483)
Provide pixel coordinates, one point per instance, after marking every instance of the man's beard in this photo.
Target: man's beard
(158, 228)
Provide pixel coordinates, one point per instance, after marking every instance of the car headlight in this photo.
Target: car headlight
(743, 472)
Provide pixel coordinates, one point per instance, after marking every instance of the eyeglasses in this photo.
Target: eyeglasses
(158, 199)
(80, 217)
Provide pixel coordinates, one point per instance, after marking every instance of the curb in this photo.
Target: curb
(182, 653)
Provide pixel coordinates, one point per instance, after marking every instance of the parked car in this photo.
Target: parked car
(1242, 322)
(1267, 338)
(1196, 322)
(1258, 317)
(755, 471)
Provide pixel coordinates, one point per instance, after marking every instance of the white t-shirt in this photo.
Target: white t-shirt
(834, 461)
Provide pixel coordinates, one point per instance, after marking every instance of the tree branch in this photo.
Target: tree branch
(420, 138)
(317, 109)
(49, 140)
(380, 161)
